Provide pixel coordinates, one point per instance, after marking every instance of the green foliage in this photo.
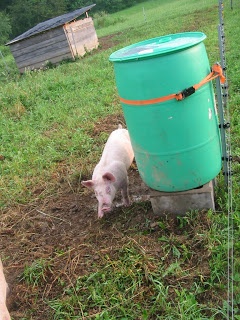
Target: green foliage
(76, 4)
(34, 12)
(5, 27)
(8, 67)
(4, 4)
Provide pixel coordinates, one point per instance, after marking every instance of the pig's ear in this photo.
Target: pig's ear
(109, 177)
(89, 184)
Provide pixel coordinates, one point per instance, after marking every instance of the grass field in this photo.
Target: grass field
(124, 268)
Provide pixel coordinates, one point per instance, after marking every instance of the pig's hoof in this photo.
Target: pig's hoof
(127, 203)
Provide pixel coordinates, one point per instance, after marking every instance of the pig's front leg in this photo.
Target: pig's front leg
(125, 195)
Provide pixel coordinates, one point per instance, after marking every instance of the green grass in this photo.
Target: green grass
(131, 283)
(45, 134)
(41, 126)
(35, 274)
(158, 18)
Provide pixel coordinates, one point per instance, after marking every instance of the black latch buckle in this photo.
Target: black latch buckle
(188, 92)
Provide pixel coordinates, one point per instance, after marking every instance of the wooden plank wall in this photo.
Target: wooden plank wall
(33, 53)
(82, 36)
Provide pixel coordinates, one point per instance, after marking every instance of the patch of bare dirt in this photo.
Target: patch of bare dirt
(109, 41)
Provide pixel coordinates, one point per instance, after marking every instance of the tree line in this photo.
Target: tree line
(18, 16)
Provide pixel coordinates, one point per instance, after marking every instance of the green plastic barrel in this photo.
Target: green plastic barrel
(176, 143)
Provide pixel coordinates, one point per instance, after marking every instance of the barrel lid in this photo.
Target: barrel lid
(158, 46)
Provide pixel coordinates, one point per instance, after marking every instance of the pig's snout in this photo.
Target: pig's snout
(106, 208)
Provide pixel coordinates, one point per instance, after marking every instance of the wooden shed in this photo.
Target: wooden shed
(63, 37)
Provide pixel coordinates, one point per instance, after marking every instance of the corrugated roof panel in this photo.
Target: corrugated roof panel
(52, 23)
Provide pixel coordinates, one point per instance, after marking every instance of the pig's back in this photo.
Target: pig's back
(118, 148)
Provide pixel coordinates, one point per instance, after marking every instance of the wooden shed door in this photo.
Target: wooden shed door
(82, 36)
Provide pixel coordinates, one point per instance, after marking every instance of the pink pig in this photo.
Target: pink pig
(4, 314)
(110, 174)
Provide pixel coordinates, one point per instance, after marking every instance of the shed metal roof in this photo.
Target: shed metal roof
(51, 23)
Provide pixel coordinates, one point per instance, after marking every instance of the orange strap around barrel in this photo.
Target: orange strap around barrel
(216, 72)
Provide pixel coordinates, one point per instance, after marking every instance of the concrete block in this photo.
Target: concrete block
(178, 203)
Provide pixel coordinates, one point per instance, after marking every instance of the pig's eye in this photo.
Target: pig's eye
(108, 190)
(98, 194)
